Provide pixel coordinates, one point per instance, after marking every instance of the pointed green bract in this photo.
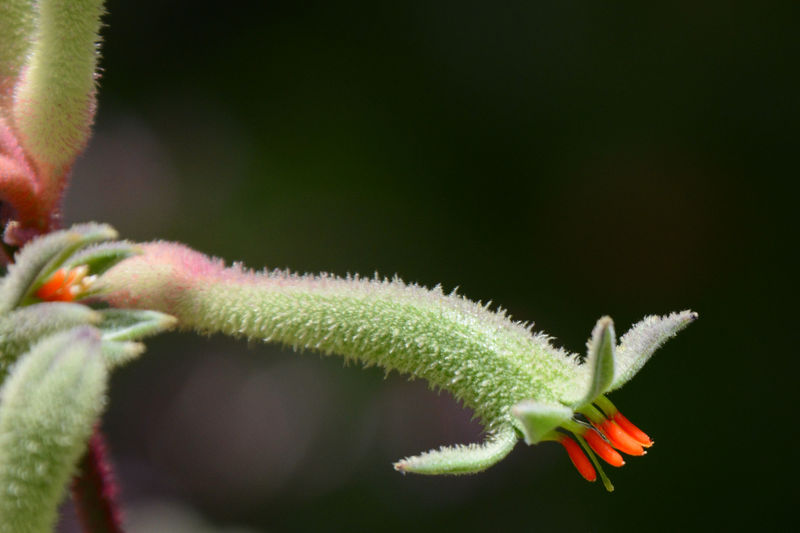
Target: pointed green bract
(540, 419)
(132, 324)
(642, 340)
(23, 327)
(41, 257)
(454, 460)
(599, 360)
(55, 99)
(48, 406)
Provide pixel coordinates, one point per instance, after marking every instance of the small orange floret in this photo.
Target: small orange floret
(621, 440)
(602, 448)
(53, 289)
(637, 434)
(65, 285)
(579, 459)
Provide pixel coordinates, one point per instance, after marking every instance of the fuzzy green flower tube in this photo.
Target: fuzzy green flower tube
(516, 381)
(54, 100)
(17, 24)
(48, 406)
(448, 340)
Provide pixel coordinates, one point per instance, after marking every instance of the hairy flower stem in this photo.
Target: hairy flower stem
(94, 490)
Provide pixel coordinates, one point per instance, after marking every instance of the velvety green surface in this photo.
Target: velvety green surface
(565, 161)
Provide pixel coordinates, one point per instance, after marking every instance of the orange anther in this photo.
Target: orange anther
(621, 440)
(73, 276)
(637, 434)
(579, 459)
(602, 448)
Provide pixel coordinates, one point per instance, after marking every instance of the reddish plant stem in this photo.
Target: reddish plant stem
(94, 490)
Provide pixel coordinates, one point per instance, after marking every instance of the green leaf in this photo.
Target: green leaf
(23, 327)
(642, 340)
(540, 419)
(462, 459)
(35, 262)
(133, 324)
(48, 407)
(599, 360)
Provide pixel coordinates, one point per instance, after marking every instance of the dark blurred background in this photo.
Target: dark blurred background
(564, 159)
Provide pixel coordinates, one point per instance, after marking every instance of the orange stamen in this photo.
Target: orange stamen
(637, 434)
(578, 458)
(621, 440)
(50, 290)
(72, 276)
(602, 448)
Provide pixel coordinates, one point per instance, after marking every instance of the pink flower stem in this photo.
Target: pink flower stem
(94, 490)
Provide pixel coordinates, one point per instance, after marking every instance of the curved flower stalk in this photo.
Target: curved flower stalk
(48, 60)
(516, 381)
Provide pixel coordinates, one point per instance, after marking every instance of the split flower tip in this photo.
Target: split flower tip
(627, 426)
(620, 439)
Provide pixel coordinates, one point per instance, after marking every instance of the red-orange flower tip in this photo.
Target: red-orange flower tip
(620, 439)
(602, 448)
(637, 434)
(579, 459)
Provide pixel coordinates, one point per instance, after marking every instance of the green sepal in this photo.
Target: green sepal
(48, 406)
(23, 327)
(642, 340)
(37, 260)
(456, 460)
(133, 324)
(100, 257)
(118, 353)
(599, 360)
(540, 419)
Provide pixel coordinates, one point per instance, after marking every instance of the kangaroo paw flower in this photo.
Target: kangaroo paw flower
(510, 376)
